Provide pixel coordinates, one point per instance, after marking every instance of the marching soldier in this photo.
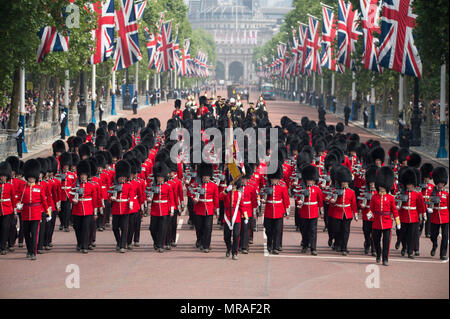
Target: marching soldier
(140, 199)
(249, 205)
(54, 186)
(97, 201)
(45, 222)
(67, 179)
(177, 112)
(427, 186)
(7, 204)
(439, 218)
(177, 188)
(364, 204)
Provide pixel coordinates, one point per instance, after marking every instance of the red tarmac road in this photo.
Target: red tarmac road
(185, 272)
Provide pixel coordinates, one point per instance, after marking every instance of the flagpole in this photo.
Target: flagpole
(314, 88)
(113, 95)
(93, 95)
(137, 80)
(400, 98)
(442, 152)
(352, 115)
(333, 106)
(321, 91)
(146, 90)
(22, 108)
(372, 104)
(66, 101)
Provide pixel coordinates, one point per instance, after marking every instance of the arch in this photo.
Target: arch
(220, 71)
(236, 72)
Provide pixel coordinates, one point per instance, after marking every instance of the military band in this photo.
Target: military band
(126, 170)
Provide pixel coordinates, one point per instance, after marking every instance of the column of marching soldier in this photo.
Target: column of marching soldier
(124, 170)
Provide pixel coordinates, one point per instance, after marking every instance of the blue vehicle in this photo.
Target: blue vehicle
(268, 91)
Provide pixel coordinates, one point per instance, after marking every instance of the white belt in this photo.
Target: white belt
(246, 203)
(65, 187)
(122, 200)
(160, 201)
(408, 207)
(274, 201)
(205, 200)
(103, 186)
(84, 199)
(444, 207)
(5, 200)
(311, 203)
(341, 205)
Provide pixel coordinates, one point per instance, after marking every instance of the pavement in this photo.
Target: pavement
(185, 272)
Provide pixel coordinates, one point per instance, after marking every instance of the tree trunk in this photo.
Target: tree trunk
(42, 89)
(395, 101)
(56, 104)
(15, 102)
(75, 90)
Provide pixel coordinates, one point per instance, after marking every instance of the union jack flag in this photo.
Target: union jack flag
(51, 40)
(294, 51)
(104, 33)
(127, 50)
(165, 49)
(152, 46)
(328, 37)
(397, 50)
(185, 56)
(347, 33)
(370, 14)
(176, 53)
(140, 7)
(302, 34)
(312, 60)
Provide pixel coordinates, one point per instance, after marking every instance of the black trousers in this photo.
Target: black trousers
(309, 232)
(20, 229)
(172, 228)
(65, 214)
(30, 233)
(13, 230)
(42, 229)
(158, 229)
(19, 147)
(232, 246)
(297, 217)
(367, 230)
(82, 225)
(100, 115)
(332, 224)
(5, 224)
(428, 226)
(273, 228)
(63, 132)
(137, 227)
(107, 214)
(434, 229)
(221, 213)
(49, 227)
(244, 234)
(203, 228)
(250, 227)
(92, 231)
(409, 233)
(120, 229)
(346, 118)
(377, 234)
(419, 233)
(190, 207)
(366, 119)
(325, 215)
(131, 226)
(342, 232)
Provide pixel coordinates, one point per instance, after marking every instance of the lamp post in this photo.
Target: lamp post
(415, 119)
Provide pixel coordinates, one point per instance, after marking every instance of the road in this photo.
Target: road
(185, 272)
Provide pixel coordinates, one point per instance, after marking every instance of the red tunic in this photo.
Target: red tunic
(345, 204)
(312, 203)
(383, 208)
(34, 202)
(122, 204)
(249, 200)
(235, 211)
(278, 202)
(162, 203)
(440, 212)
(409, 211)
(86, 202)
(7, 199)
(208, 202)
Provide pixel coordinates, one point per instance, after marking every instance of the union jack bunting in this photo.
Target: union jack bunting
(302, 35)
(397, 50)
(328, 59)
(104, 34)
(347, 33)
(312, 60)
(140, 7)
(165, 48)
(370, 14)
(51, 40)
(126, 50)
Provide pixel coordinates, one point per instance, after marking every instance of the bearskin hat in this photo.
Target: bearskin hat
(84, 167)
(384, 178)
(101, 131)
(103, 124)
(414, 160)
(14, 162)
(75, 159)
(5, 169)
(65, 159)
(440, 175)
(352, 146)
(304, 157)
(58, 146)
(343, 174)
(371, 174)
(340, 127)
(81, 133)
(425, 170)
(93, 164)
(249, 170)
(407, 176)
(20, 171)
(100, 140)
(304, 121)
(377, 153)
(330, 161)
(53, 168)
(112, 126)
(43, 164)
(278, 174)
(393, 151)
(100, 159)
(121, 122)
(135, 166)
(354, 137)
(90, 128)
(84, 150)
(205, 169)
(160, 170)
(177, 103)
(338, 152)
(108, 157)
(77, 141)
(319, 146)
(116, 150)
(310, 173)
(402, 155)
(123, 169)
(202, 100)
(31, 168)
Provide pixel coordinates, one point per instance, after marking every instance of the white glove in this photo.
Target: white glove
(356, 217)
(131, 205)
(398, 227)
(245, 221)
(259, 203)
(49, 218)
(19, 206)
(287, 211)
(228, 189)
(172, 210)
(429, 210)
(369, 215)
(58, 205)
(425, 217)
(217, 212)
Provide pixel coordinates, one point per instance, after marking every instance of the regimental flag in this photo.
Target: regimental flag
(140, 7)
(165, 49)
(312, 60)
(302, 35)
(348, 33)
(397, 50)
(104, 34)
(328, 59)
(370, 14)
(127, 50)
(51, 40)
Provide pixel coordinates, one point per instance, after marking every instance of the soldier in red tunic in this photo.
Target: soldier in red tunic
(439, 217)
(55, 187)
(67, 179)
(249, 204)
(364, 205)
(427, 187)
(383, 208)
(177, 113)
(7, 204)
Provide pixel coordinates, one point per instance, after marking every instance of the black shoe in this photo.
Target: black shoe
(228, 253)
(84, 251)
(385, 263)
(33, 257)
(122, 250)
(197, 244)
(416, 253)
(373, 254)
(136, 244)
(47, 248)
(160, 250)
(366, 251)
(330, 242)
(66, 230)
(78, 248)
(276, 252)
(325, 229)
(410, 256)
(378, 259)
(314, 253)
(245, 251)
(40, 252)
(50, 245)
(403, 252)
(129, 247)
(117, 248)
(91, 247)
(100, 229)
(304, 250)
(280, 249)
(61, 227)
(427, 236)
(344, 253)
(235, 257)
(250, 241)
(167, 247)
(397, 245)
(269, 250)
(433, 251)
(20, 245)
(174, 244)
(3, 252)
(206, 250)
(155, 247)
(28, 255)
(444, 258)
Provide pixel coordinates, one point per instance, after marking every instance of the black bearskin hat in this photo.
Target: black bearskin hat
(371, 174)
(84, 167)
(385, 178)
(81, 133)
(249, 170)
(53, 168)
(43, 164)
(377, 153)
(177, 103)
(123, 169)
(58, 146)
(90, 128)
(160, 169)
(343, 174)
(352, 146)
(407, 176)
(440, 175)
(77, 141)
(304, 157)
(425, 170)
(414, 160)
(330, 160)
(14, 162)
(75, 159)
(116, 150)
(100, 159)
(5, 169)
(205, 169)
(31, 168)
(84, 150)
(65, 159)
(340, 127)
(310, 173)
(112, 126)
(100, 140)
(278, 174)
(135, 166)
(393, 152)
(402, 155)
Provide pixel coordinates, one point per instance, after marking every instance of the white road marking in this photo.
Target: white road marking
(360, 258)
